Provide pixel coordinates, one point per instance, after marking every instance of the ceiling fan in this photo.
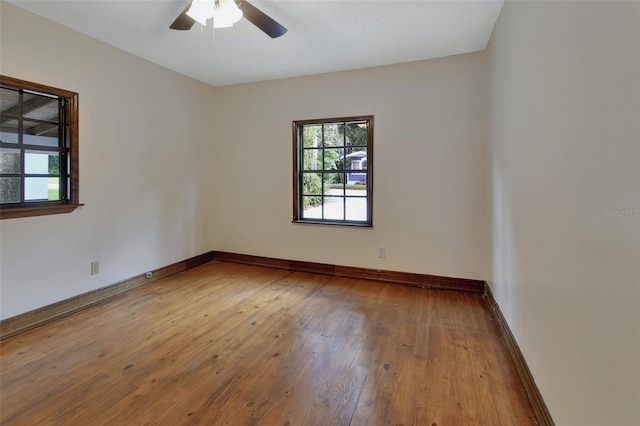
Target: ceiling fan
(225, 13)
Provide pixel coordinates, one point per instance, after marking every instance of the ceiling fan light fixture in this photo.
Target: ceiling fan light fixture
(201, 10)
(225, 13)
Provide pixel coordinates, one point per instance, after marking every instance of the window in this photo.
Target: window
(38, 149)
(333, 181)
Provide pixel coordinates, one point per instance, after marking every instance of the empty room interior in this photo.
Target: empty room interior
(483, 269)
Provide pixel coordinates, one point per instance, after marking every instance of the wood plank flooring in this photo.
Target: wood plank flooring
(229, 344)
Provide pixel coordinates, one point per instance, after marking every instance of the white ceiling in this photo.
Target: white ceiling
(323, 36)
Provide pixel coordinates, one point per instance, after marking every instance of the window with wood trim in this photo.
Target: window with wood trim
(333, 171)
(38, 149)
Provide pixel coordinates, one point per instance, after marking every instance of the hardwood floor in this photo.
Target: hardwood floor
(241, 345)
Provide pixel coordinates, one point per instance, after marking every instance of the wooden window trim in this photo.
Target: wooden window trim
(297, 202)
(41, 209)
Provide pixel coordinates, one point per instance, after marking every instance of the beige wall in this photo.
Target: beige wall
(171, 168)
(565, 131)
(141, 144)
(431, 200)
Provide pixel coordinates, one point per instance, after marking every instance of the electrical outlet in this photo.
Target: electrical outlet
(382, 252)
(148, 274)
(95, 268)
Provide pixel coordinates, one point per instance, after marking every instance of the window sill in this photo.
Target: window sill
(30, 211)
(329, 222)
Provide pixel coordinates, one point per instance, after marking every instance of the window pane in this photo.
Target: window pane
(356, 160)
(312, 159)
(356, 208)
(311, 184)
(54, 163)
(42, 162)
(9, 136)
(36, 189)
(357, 178)
(333, 159)
(9, 190)
(357, 134)
(40, 107)
(9, 100)
(357, 166)
(357, 191)
(9, 160)
(334, 134)
(333, 208)
(53, 189)
(312, 208)
(311, 136)
(40, 134)
(333, 184)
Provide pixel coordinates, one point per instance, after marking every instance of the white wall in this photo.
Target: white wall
(431, 178)
(565, 131)
(141, 144)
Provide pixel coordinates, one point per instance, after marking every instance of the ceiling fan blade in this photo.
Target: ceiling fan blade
(183, 21)
(260, 20)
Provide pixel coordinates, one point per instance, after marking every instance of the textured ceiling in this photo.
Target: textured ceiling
(323, 36)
